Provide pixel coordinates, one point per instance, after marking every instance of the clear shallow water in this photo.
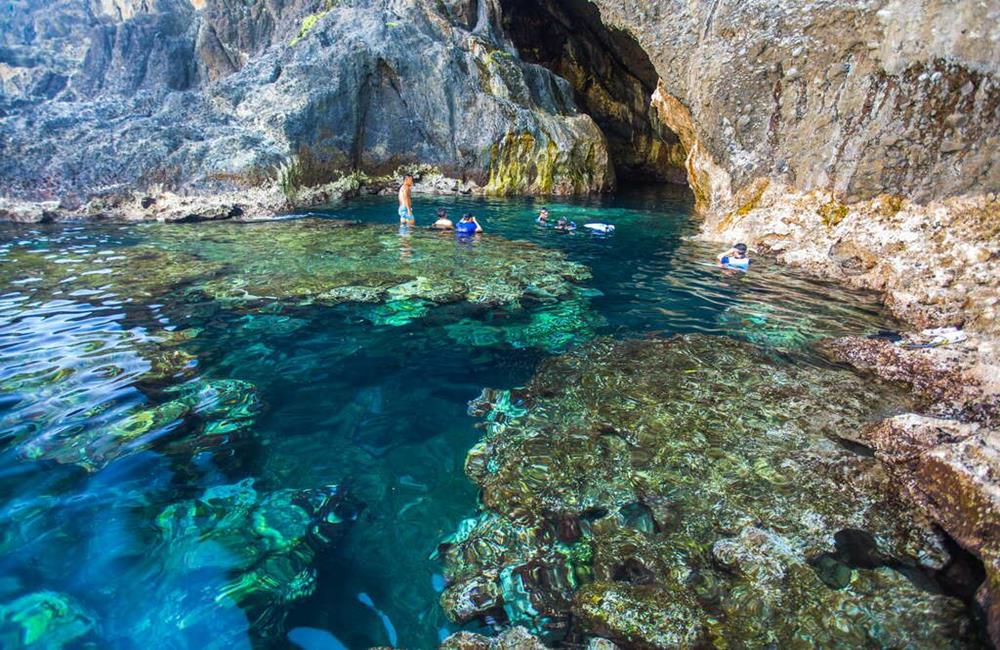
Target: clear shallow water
(98, 438)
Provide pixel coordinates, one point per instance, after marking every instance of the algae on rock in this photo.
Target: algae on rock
(635, 478)
(265, 541)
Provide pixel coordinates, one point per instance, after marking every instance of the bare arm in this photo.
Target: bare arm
(408, 201)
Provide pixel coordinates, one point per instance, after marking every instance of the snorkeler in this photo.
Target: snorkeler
(406, 201)
(543, 217)
(565, 225)
(468, 225)
(735, 258)
(443, 222)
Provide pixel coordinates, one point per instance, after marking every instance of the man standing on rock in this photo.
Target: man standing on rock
(406, 202)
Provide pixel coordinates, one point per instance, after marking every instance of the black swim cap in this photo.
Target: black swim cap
(741, 248)
(442, 213)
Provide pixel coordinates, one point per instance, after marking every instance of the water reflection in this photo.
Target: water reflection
(148, 369)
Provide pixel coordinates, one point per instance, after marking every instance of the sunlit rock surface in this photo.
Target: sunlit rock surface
(697, 477)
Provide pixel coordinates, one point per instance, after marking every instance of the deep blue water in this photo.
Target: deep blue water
(378, 409)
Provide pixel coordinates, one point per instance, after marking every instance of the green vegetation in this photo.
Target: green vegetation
(310, 21)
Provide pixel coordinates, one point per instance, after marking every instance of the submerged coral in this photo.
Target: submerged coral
(265, 541)
(763, 325)
(689, 491)
(44, 619)
(554, 327)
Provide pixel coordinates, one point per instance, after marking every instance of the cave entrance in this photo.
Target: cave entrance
(612, 78)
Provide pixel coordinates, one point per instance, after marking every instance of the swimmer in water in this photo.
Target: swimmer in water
(735, 257)
(443, 222)
(468, 225)
(565, 225)
(543, 217)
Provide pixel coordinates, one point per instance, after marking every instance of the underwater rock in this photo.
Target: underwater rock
(761, 325)
(552, 327)
(637, 487)
(516, 638)
(960, 381)
(266, 541)
(45, 619)
(224, 406)
(96, 446)
(140, 272)
(309, 261)
(269, 266)
(207, 412)
(466, 600)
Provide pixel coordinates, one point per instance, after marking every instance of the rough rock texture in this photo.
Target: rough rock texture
(960, 381)
(948, 463)
(684, 492)
(859, 98)
(102, 99)
(854, 139)
(953, 471)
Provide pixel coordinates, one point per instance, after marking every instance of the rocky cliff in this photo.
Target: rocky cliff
(101, 98)
(854, 139)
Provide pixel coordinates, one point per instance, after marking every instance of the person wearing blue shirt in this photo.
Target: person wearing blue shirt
(468, 225)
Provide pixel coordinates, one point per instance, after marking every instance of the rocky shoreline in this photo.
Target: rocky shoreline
(251, 204)
(672, 493)
(945, 454)
(854, 141)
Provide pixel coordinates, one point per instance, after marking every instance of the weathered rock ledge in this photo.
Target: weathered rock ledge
(946, 459)
(250, 204)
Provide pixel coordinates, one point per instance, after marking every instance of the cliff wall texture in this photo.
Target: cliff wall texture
(103, 98)
(856, 140)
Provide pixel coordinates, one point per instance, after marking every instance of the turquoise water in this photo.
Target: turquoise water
(148, 422)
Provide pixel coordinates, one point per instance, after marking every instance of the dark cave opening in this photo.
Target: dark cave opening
(613, 80)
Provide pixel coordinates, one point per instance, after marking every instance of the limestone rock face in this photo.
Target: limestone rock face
(103, 98)
(859, 98)
(855, 140)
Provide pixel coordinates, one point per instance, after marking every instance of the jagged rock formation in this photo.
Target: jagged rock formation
(103, 98)
(947, 458)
